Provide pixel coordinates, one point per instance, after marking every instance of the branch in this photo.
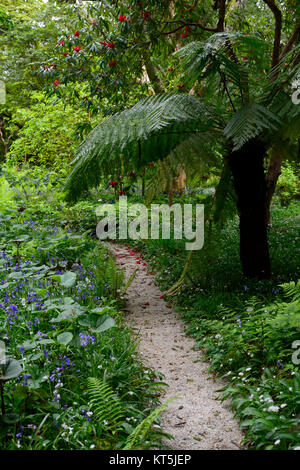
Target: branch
(183, 24)
(222, 11)
(218, 29)
(291, 41)
(277, 33)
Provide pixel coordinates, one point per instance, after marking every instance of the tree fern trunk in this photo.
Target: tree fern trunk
(250, 186)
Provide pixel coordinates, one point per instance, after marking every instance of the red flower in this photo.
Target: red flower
(112, 63)
(77, 48)
(122, 193)
(150, 164)
(76, 34)
(170, 69)
(56, 83)
(180, 86)
(132, 173)
(61, 42)
(111, 45)
(65, 53)
(93, 22)
(103, 43)
(245, 58)
(146, 303)
(185, 35)
(146, 15)
(113, 183)
(122, 18)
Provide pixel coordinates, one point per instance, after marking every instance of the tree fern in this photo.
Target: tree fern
(105, 404)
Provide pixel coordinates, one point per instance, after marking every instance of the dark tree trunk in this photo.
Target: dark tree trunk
(250, 186)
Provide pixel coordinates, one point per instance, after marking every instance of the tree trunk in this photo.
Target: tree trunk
(273, 173)
(250, 186)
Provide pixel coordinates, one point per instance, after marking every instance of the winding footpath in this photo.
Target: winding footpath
(196, 419)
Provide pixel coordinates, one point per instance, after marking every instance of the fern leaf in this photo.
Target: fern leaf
(138, 436)
(249, 122)
(106, 405)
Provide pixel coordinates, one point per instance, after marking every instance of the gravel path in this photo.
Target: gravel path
(196, 420)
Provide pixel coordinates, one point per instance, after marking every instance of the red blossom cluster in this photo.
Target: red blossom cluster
(111, 45)
(76, 34)
(112, 63)
(113, 183)
(146, 15)
(61, 43)
(122, 18)
(77, 48)
(56, 83)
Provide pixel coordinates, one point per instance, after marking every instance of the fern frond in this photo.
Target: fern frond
(292, 289)
(205, 59)
(106, 405)
(155, 125)
(138, 436)
(249, 122)
(129, 282)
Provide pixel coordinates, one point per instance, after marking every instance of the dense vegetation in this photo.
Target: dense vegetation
(137, 94)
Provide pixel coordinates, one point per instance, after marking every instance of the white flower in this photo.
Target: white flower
(92, 446)
(277, 442)
(283, 405)
(273, 408)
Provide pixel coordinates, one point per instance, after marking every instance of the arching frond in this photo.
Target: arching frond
(206, 59)
(147, 132)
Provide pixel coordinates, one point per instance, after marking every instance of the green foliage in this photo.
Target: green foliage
(288, 185)
(47, 137)
(7, 202)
